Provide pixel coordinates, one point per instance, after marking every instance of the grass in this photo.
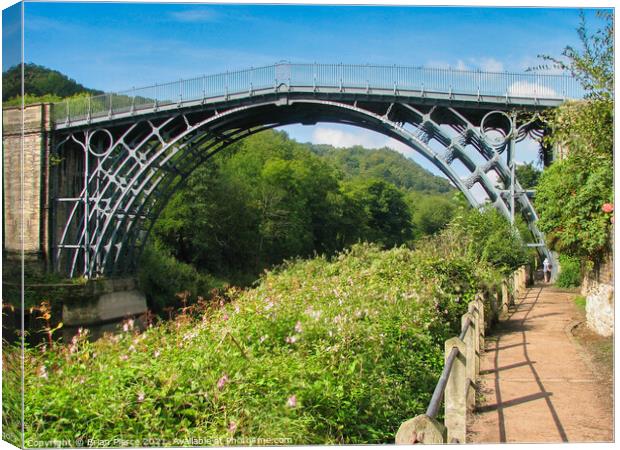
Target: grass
(580, 301)
(321, 352)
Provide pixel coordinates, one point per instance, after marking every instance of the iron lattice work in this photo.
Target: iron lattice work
(118, 172)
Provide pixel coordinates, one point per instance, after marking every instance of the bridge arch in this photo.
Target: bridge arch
(132, 169)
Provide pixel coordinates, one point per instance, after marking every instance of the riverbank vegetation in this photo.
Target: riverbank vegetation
(323, 350)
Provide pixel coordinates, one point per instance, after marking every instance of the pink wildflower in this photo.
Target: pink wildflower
(225, 316)
(42, 372)
(292, 401)
(156, 354)
(140, 397)
(124, 357)
(290, 339)
(298, 328)
(222, 382)
(232, 426)
(608, 207)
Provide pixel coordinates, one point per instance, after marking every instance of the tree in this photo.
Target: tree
(430, 213)
(40, 81)
(574, 195)
(386, 218)
(527, 175)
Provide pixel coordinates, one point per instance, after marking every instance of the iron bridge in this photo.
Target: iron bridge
(122, 155)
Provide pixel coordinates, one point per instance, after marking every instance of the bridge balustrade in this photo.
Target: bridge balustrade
(317, 77)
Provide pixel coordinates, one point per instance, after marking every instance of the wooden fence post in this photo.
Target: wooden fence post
(454, 397)
(479, 302)
(505, 297)
(421, 429)
(472, 363)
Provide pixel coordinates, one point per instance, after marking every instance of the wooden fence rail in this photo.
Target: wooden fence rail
(456, 388)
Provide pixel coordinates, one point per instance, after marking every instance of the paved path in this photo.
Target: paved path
(537, 384)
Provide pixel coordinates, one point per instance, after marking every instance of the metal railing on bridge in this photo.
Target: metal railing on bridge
(317, 77)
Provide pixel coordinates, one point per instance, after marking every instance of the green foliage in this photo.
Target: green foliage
(40, 82)
(572, 192)
(570, 274)
(268, 198)
(430, 213)
(383, 215)
(580, 301)
(31, 99)
(339, 351)
(386, 164)
(486, 235)
(569, 200)
(528, 175)
(162, 277)
(11, 393)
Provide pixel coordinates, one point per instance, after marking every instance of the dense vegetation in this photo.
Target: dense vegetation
(40, 84)
(570, 276)
(337, 350)
(575, 195)
(269, 198)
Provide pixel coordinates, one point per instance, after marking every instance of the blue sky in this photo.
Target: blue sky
(111, 46)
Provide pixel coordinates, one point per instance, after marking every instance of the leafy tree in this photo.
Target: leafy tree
(569, 201)
(385, 164)
(430, 213)
(528, 175)
(488, 237)
(386, 219)
(40, 81)
(572, 193)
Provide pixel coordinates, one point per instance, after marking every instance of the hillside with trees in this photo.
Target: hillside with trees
(40, 82)
(269, 198)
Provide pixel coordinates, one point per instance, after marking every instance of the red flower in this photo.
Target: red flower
(608, 207)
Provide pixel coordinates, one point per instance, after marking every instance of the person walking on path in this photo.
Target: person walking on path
(547, 270)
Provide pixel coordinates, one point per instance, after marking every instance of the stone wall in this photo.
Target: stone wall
(598, 288)
(34, 172)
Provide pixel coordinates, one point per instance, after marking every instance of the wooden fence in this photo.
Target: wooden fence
(456, 388)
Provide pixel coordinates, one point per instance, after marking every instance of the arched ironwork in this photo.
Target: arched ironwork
(131, 165)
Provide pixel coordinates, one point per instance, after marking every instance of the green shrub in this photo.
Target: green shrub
(162, 277)
(322, 351)
(570, 274)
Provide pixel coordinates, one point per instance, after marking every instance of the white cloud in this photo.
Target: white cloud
(485, 64)
(460, 65)
(527, 89)
(490, 65)
(194, 15)
(365, 138)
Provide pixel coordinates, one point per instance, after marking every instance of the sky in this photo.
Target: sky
(112, 46)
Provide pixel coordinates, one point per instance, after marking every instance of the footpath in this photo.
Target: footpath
(537, 383)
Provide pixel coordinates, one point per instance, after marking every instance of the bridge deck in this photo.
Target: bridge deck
(355, 82)
(538, 384)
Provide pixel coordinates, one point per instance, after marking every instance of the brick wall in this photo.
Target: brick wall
(34, 173)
